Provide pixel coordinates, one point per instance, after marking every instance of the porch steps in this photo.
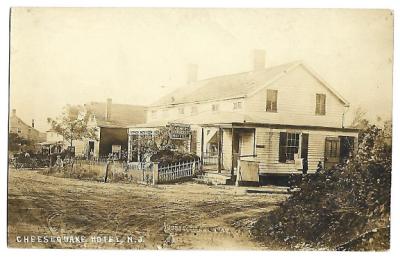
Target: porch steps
(215, 178)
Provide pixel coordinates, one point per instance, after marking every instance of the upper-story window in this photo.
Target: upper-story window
(154, 113)
(320, 104)
(237, 105)
(19, 130)
(272, 101)
(215, 107)
(181, 110)
(194, 110)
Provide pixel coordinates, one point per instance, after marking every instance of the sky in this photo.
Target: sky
(65, 56)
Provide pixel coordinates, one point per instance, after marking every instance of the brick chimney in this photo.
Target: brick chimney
(191, 73)
(33, 123)
(258, 59)
(108, 109)
(14, 112)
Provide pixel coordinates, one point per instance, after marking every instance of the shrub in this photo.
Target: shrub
(166, 157)
(336, 206)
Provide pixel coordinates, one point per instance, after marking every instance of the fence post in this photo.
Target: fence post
(155, 173)
(107, 165)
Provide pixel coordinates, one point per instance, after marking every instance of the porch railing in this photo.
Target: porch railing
(211, 158)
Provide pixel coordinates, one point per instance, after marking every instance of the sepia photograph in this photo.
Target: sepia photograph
(200, 128)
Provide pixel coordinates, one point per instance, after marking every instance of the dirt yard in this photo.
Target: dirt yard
(50, 212)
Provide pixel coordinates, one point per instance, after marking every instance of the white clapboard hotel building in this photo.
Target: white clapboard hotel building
(285, 118)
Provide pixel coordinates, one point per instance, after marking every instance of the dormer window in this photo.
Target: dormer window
(215, 107)
(320, 105)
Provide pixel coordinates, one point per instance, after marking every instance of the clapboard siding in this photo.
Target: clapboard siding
(268, 156)
(296, 101)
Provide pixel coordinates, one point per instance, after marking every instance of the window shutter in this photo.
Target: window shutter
(304, 146)
(317, 104)
(282, 146)
(323, 104)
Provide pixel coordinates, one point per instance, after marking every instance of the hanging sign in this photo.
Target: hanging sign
(179, 131)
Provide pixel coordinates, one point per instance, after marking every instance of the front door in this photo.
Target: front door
(332, 151)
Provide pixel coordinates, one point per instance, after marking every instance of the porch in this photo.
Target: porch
(222, 147)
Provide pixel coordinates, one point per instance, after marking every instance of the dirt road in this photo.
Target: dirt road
(80, 214)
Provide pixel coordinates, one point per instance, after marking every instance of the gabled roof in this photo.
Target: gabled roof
(234, 86)
(16, 118)
(122, 115)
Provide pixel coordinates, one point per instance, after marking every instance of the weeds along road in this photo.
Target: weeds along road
(180, 216)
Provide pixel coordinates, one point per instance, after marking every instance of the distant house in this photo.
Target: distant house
(28, 132)
(286, 118)
(54, 143)
(111, 121)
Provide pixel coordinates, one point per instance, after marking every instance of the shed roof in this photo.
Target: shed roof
(122, 115)
(229, 119)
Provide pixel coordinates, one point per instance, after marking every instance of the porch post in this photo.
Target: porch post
(202, 146)
(129, 147)
(190, 142)
(232, 156)
(138, 147)
(219, 137)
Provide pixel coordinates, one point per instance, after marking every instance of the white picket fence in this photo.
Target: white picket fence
(177, 171)
(152, 171)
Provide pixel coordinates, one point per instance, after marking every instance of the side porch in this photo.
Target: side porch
(277, 150)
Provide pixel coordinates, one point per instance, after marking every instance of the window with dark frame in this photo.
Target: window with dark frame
(332, 149)
(288, 146)
(272, 101)
(320, 105)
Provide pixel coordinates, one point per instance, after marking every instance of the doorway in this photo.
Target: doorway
(332, 152)
(91, 149)
(346, 147)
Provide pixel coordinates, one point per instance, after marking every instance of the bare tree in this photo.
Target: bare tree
(359, 120)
